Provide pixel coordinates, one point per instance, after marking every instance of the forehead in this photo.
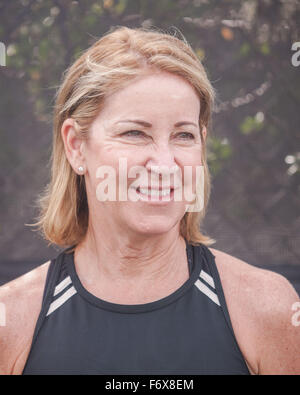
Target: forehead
(159, 91)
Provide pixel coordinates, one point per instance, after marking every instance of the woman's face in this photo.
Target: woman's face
(151, 122)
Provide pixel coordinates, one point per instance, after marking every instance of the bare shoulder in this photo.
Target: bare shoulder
(262, 307)
(21, 301)
(269, 291)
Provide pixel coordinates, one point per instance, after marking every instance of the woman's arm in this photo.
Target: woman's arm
(21, 301)
(279, 351)
(262, 306)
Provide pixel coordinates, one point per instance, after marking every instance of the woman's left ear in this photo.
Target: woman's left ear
(204, 132)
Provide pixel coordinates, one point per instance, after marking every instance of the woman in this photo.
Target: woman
(138, 291)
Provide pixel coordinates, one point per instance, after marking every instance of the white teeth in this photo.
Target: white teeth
(165, 192)
(155, 192)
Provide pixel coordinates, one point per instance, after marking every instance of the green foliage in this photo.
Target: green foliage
(245, 49)
(250, 125)
(120, 7)
(265, 49)
(97, 9)
(219, 152)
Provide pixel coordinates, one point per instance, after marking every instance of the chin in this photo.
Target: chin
(154, 227)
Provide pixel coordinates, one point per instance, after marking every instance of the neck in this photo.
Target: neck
(116, 258)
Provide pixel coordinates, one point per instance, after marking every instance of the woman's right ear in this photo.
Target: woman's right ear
(73, 144)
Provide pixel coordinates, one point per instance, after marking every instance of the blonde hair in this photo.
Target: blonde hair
(109, 64)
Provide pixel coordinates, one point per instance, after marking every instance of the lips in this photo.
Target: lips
(155, 194)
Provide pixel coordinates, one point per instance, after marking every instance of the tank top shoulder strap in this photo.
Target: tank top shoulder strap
(53, 276)
(210, 273)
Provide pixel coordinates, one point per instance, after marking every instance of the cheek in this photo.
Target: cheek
(190, 156)
(109, 166)
(192, 172)
(102, 155)
(190, 160)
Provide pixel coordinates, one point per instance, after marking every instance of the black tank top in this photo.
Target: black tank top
(188, 332)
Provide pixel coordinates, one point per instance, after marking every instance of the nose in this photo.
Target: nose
(161, 155)
(161, 161)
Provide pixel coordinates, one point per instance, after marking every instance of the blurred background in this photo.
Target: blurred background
(254, 145)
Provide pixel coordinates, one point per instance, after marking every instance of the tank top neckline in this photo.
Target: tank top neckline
(194, 262)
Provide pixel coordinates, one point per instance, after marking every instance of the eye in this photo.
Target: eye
(133, 133)
(186, 136)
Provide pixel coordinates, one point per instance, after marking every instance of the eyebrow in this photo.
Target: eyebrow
(149, 125)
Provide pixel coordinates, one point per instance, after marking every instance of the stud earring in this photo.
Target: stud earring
(80, 168)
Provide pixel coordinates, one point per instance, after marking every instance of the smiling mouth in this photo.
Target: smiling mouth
(155, 194)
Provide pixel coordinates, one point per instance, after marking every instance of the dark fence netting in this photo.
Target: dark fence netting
(249, 49)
